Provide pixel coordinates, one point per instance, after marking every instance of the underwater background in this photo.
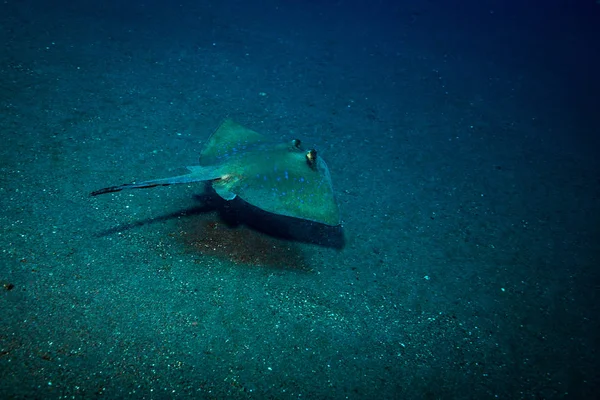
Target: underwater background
(463, 143)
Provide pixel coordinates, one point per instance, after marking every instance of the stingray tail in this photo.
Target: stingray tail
(145, 184)
(141, 185)
(197, 174)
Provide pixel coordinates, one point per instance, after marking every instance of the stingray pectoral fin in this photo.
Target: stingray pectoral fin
(197, 174)
(299, 192)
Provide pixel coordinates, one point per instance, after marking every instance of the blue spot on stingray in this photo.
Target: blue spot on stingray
(301, 179)
(286, 174)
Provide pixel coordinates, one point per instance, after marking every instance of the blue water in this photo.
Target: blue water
(462, 140)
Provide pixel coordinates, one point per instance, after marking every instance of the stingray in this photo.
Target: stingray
(280, 178)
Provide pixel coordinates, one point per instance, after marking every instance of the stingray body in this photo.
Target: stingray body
(281, 178)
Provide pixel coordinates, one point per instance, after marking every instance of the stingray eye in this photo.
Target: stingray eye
(296, 143)
(311, 158)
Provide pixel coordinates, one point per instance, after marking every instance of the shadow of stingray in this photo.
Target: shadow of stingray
(237, 213)
(207, 207)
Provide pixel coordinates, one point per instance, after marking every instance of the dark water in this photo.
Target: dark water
(463, 145)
